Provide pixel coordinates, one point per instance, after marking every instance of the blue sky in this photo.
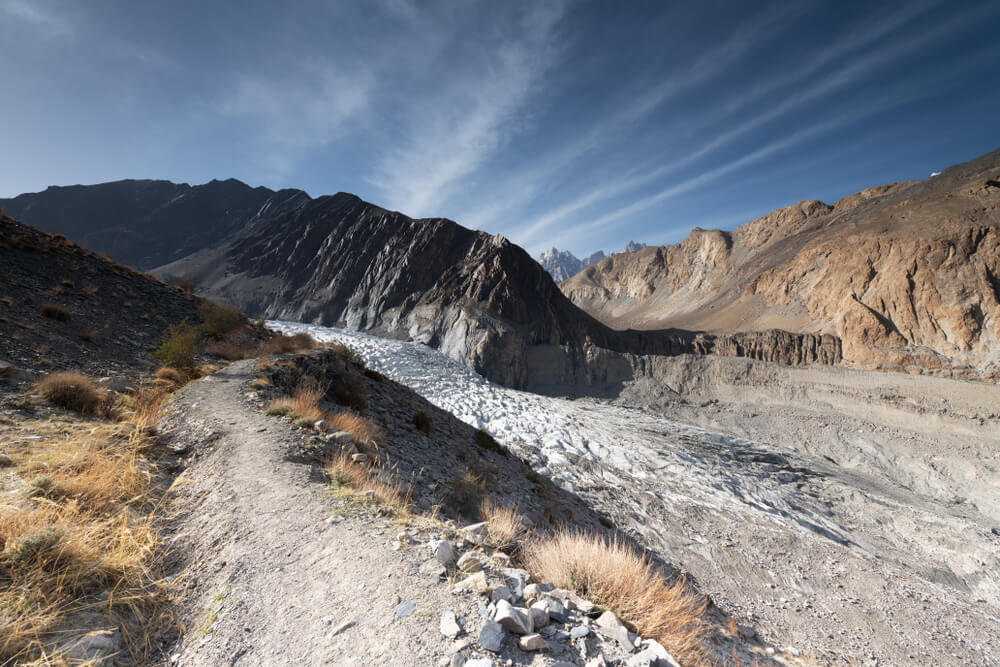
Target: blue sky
(575, 124)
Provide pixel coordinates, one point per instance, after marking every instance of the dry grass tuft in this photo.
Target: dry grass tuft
(303, 404)
(284, 344)
(506, 530)
(362, 429)
(171, 375)
(352, 479)
(612, 574)
(72, 391)
(55, 312)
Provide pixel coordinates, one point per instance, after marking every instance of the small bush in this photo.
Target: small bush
(171, 375)
(304, 404)
(28, 548)
(72, 391)
(220, 319)
(361, 428)
(179, 347)
(347, 476)
(422, 422)
(55, 312)
(503, 524)
(278, 410)
(489, 443)
(283, 344)
(465, 494)
(612, 574)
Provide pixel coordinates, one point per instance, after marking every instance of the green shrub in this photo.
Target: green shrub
(422, 422)
(489, 443)
(219, 319)
(179, 347)
(31, 545)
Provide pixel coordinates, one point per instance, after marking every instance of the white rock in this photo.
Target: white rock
(449, 624)
(662, 655)
(360, 459)
(515, 619)
(443, 550)
(608, 620)
(470, 562)
(322, 426)
(475, 582)
(534, 591)
(479, 662)
(539, 614)
(533, 642)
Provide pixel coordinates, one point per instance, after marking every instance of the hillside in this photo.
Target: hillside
(145, 223)
(906, 275)
(62, 306)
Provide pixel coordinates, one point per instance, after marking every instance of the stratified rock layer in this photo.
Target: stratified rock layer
(906, 275)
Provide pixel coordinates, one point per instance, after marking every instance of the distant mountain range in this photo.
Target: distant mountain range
(562, 264)
(899, 277)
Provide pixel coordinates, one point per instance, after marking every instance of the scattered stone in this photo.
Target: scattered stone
(341, 438)
(360, 459)
(404, 609)
(554, 607)
(460, 645)
(501, 559)
(533, 642)
(457, 660)
(579, 631)
(516, 579)
(480, 662)
(343, 626)
(5, 461)
(663, 657)
(539, 614)
(643, 658)
(746, 632)
(534, 591)
(599, 661)
(620, 634)
(444, 551)
(491, 636)
(608, 620)
(449, 624)
(322, 426)
(475, 582)
(515, 619)
(501, 593)
(470, 562)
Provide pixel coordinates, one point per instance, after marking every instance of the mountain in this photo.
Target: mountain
(907, 275)
(562, 264)
(146, 223)
(340, 261)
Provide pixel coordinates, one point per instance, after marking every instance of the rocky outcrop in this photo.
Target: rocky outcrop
(904, 274)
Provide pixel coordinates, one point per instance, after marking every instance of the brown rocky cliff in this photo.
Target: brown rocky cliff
(905, 274)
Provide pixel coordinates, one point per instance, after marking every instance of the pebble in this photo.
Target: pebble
(515, 619)
(449, 624)
(533, 642)
(404, 609)
(343, 626)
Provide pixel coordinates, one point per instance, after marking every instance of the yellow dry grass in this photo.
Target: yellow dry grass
(612, 574)
(303, 404)
(355, 480)
(362, 429)
(83, 537)
(503, 523)
(72, 391)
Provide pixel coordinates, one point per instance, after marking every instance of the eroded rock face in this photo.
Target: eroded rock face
(906, 275)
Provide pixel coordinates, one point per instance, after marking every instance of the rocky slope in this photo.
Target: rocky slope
(146, 223)
(65, 307)
(906, 275)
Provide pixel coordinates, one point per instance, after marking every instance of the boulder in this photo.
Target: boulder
(533, 642)
(515, 619)
(475, 582)
(501, 593)
(444, 551)
(491, 636)
(534, 591)
(470, 562)
(516, 580)
(608, 620)
(322, 425)
(539, 614)
(620, 634)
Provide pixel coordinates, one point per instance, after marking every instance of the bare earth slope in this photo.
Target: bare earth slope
(906, 275)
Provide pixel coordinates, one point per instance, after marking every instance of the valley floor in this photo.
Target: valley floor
(834, 560)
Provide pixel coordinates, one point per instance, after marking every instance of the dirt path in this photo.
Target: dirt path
(270, 575)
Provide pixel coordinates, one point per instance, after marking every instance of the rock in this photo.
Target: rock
(404, 609)
(475, 582)
(516, 579)
(515, 619)
(539, 614)
(491, 636)
(599, 661)
(444, 551)
(460, 645)
(533, 642)
(343, 626)
(579, 631)
(500, 558)
(322, 426)
(479, 662)
(360, 459)
(470, 562)
(608, 620)
(554, 607)
(661, 655)
(5, 461)
(457, 660)
(746, 632)
(501, 593)
(449, 624)
(341, 438)
(572, 601)
(643, 658)
(619, 633)
(476, 530)
(534, 591)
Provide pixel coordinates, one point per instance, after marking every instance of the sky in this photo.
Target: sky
(581, 125)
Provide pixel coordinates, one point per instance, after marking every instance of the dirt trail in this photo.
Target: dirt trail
(270, 575)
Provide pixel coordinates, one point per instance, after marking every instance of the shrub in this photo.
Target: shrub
(179, 347)
(170, 374)
(72, 391)
(29, 547)
(303, 404)
(489, 443)
(465, 493)
(220, 319)
(361, 428)
(422, 422)
(55, 312)
(503, 524)
(356, 480)
(613, 575)
(283, 344)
